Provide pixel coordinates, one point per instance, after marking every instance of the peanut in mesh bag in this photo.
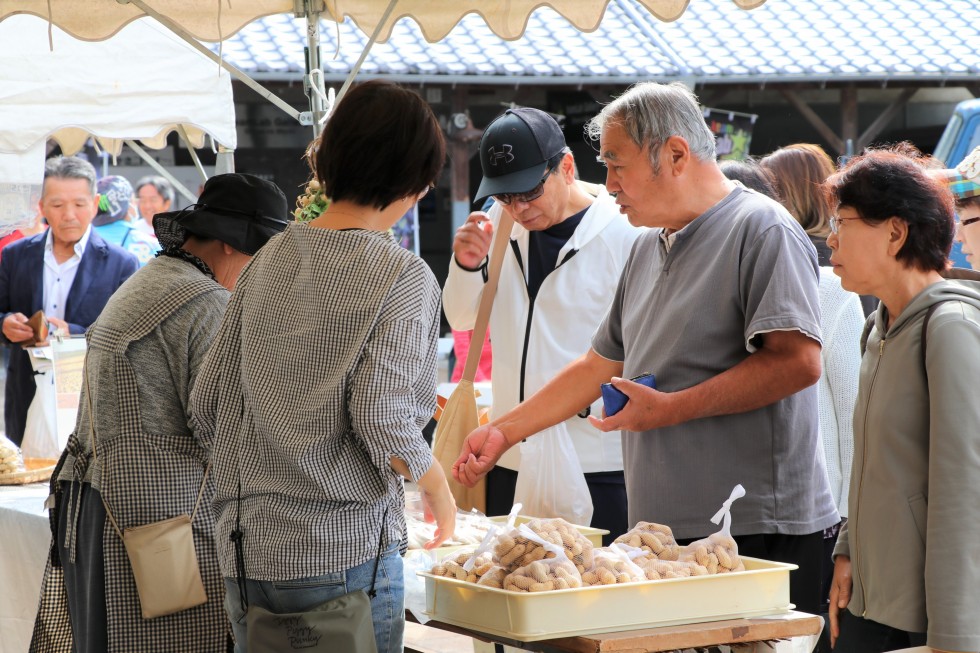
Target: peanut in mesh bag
(554, 571)
(515, 549)
(456, 566)
(658, 539)
(655, 569)
(614, 566)
(718, 552)
(494, 577)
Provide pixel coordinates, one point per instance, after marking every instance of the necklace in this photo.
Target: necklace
(353, 216)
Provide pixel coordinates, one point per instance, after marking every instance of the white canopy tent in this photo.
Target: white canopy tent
(215, 20)
(139, 85)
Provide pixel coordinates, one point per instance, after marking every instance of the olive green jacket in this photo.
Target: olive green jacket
(913, 533)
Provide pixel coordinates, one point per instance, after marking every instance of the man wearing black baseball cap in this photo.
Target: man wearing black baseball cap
(568, 247)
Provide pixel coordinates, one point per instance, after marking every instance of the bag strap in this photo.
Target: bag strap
(95, 456)
(925, 329)
(869, 324)
(117, 343)
(501, 238)
(923, 339)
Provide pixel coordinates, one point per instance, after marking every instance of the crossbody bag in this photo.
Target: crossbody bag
(161, 554)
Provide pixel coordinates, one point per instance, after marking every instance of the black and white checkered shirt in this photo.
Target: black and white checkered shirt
(323, 370)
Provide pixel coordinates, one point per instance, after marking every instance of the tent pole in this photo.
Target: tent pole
(313, 83)
(367, 49)
(153, 163)
(192, 151)
(224, 161)
(235, 72)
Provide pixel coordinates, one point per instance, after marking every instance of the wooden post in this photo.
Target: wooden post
(460, 163)
(849, 117)
(815, 121)
(882, 120)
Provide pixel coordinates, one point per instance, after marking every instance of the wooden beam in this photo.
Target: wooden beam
(974, 89)
(884, 118)
(811, 117)
(849, 117)
(460, 177)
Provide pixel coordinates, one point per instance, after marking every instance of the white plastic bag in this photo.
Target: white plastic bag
(551, 482)
(414, 562)
(41, 428)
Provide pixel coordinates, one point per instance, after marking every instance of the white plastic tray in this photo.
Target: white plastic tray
(762, 589)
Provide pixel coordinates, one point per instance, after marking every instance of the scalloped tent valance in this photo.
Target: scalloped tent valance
(139, 85)
(213, 20)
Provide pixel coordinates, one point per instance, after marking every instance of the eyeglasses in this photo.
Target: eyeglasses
(529, 196)
(835, 223)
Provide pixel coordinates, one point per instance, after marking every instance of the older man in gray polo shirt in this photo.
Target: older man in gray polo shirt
(720, 303)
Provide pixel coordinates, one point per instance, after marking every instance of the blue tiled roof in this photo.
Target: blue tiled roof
(783, 40)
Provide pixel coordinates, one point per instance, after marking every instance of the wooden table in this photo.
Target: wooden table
(667, 638)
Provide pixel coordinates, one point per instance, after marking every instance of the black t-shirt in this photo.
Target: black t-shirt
(544, 247)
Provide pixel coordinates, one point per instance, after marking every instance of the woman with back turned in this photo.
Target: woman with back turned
(324, 374)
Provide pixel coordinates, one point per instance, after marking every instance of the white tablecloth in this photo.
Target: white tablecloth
(24, 541)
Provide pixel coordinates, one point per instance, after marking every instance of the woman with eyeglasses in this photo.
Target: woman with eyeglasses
(905, 562)
(322, 377)
(968, 229)
(966, 189)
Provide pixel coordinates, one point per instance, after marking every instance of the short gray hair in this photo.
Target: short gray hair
(162, 186)
(70, 167)
(651, 113)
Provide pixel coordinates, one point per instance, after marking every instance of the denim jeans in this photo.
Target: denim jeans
(387, 608)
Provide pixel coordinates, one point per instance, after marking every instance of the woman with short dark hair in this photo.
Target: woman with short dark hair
(322, 377)
(904, 561)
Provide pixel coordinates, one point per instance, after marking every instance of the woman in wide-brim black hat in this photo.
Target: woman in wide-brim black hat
(143, 355)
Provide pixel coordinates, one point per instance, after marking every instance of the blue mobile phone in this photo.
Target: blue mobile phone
(613, 400)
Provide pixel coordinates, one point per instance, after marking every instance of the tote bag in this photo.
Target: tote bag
(340, 624)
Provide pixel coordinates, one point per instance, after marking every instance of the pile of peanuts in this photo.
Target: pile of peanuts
(663, 569)
(541, 576)
(718, 553)
(494, 577)
(521, 564)
(453, 567)
(610, 570)
(655, 538)
(512, 550)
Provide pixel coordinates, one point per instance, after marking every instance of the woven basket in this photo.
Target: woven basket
(36, 470)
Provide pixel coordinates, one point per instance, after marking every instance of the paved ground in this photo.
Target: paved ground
(419, 639)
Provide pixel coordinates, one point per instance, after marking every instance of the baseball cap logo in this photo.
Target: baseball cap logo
(503, 154)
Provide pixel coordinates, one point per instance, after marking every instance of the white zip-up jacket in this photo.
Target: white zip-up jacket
(532, 343)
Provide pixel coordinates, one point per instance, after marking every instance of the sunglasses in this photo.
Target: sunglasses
(529, 196)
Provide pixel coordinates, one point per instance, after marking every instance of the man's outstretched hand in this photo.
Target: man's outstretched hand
(481, 451)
